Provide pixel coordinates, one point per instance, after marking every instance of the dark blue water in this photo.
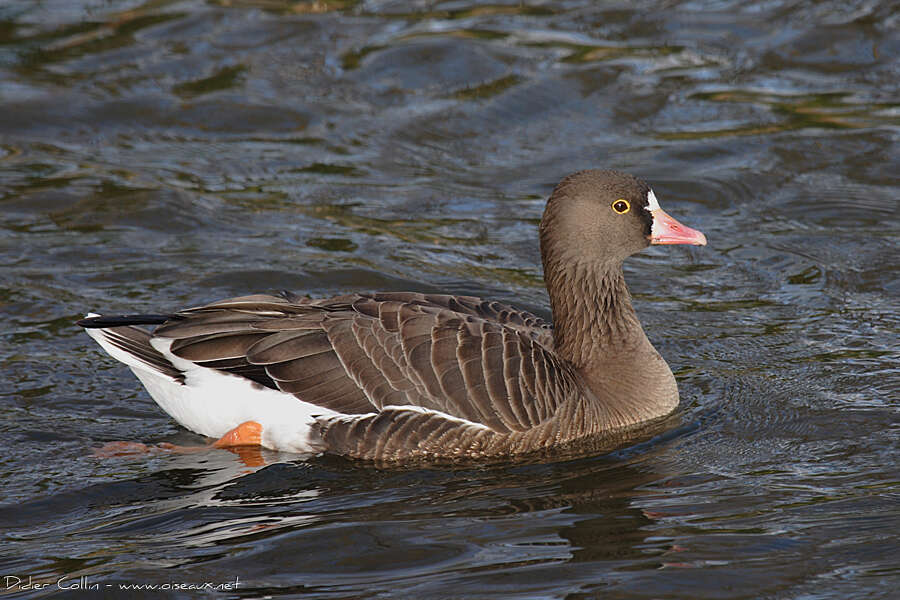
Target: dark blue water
(156, 155)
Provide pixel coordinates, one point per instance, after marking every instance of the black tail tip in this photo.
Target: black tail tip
(104, 321)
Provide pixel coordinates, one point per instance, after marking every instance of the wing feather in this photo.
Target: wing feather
(216, 346)
(288, 345)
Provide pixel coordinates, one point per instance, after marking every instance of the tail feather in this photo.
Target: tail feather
(131, 345)
(104, 321)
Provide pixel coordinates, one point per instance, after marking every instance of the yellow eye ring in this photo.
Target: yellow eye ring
(621, 206)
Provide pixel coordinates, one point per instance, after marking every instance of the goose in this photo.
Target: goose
(398, 376)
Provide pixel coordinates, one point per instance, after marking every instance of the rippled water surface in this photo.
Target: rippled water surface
(158, 154)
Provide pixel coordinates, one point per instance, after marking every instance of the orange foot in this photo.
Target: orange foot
(117, 449)
(248, 433)
(112, 449)
(244, 441)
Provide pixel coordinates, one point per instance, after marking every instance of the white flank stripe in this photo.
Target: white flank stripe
(443, 415)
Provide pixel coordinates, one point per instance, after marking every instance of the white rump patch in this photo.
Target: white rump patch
(211, 402)
(652, 202)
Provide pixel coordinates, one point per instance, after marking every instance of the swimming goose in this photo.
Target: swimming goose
(406, 376)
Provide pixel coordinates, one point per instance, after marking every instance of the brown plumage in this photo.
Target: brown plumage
(401, 376)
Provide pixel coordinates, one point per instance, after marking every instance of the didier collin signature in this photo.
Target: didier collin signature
(13, 583)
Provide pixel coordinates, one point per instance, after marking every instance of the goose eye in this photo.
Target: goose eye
(621, 206)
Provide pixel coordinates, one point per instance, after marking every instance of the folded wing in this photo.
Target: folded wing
(386, 361)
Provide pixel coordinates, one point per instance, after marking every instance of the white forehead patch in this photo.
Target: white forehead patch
(652, 202)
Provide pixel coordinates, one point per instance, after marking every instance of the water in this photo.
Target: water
(156, 155)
